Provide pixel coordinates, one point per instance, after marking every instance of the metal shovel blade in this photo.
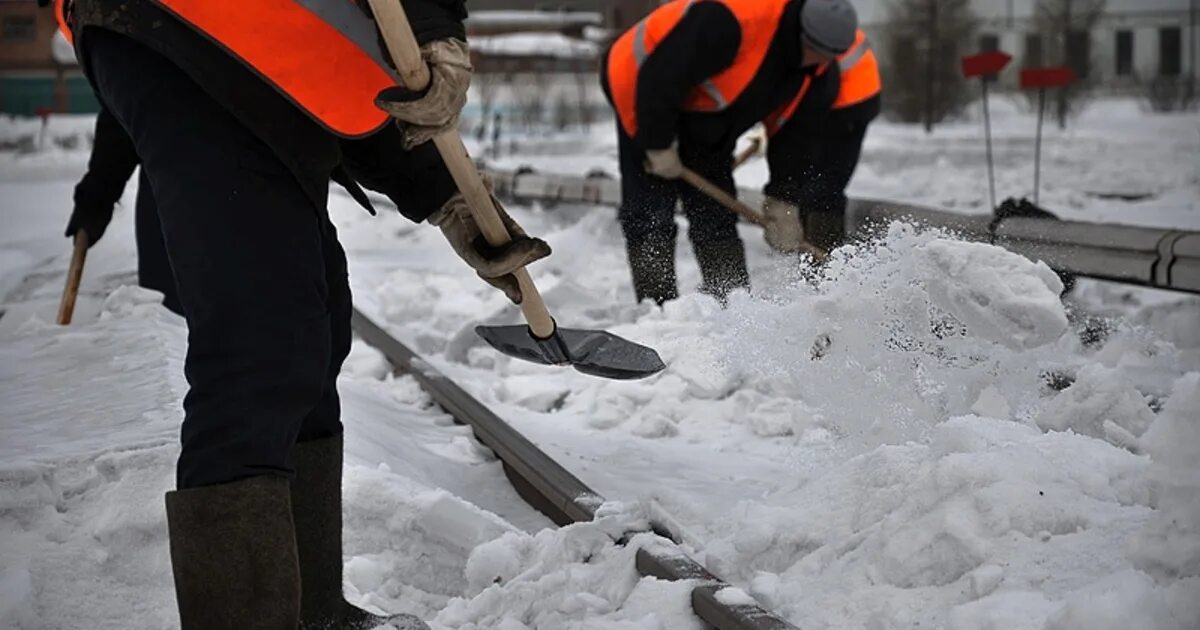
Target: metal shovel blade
(593, 352)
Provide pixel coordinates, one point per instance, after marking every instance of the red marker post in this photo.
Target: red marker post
(984, 66)
(1042, 78)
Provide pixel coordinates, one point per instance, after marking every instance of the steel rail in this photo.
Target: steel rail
(552, 489)
(1155, 257)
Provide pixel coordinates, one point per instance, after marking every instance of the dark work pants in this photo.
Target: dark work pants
(154, 268)
(647, 216)
(823, 199)
(260, 275)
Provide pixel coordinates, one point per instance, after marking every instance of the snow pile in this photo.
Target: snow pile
(573, 577)
(988, 525)
(1170, 548)
(89, 444)
(1165, 593)
(996, 294)
(1100, 403)
(923, 326)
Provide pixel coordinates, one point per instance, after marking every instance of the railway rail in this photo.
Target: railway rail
(551, 489)
(1154, 257)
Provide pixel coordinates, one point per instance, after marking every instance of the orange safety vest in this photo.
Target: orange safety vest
(778, 118)
(758, 19)
(64, 25)
(860, 73)
(860, 81)
(323, 55)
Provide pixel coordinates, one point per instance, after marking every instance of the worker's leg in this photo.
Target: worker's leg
(154, 267)
(712, 227)
(825, 210)
(249, 255)
(647, 216)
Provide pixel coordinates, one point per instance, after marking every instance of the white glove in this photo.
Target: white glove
(783, 229)
(665, 163)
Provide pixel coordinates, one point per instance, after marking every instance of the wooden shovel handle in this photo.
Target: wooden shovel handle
(729, 201)
(66, 308)
(748, 152)
(720, 196)
(414, 74)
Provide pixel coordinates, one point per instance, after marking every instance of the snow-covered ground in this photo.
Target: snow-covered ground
(1113, 149)
(933, 468)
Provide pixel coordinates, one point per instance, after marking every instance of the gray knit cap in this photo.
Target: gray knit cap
(828, 26)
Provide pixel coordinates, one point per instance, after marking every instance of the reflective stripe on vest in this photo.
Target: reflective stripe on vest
(323, 55)
(781, 116)
(758, 21)
(860, 74)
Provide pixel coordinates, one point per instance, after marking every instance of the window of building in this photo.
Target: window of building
(1170, 49)
(1033, 51)
(18, 28)
(1124, 53)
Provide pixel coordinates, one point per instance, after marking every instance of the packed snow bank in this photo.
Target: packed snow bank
(944, 533)
(1170, 548)
(1100, 403)
(88, 441)
(900, 478)
(996, 294)
(517, 582)
(920, 326)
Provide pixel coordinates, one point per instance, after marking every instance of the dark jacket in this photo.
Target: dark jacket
(813, 156)
(417, 181)
(704, 42)
(112, 162)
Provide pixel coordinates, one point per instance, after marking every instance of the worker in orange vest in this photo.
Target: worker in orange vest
(685, 83)
(241, 112)
(811, 157)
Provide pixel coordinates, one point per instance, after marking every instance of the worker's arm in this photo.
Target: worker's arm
(436, 19)
(416, 180)
(700, 46)
(794, 153)
(111, 164)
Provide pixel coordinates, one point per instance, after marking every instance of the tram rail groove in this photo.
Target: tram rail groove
(550, 488)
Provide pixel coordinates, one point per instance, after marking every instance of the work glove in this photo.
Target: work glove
(91, 218)
(782, 229)
(494, 264)
(423, 115)
(665, 163)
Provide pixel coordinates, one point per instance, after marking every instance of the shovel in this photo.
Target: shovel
(594, 352)
(719, 195)
(66, 308)
(756, 143)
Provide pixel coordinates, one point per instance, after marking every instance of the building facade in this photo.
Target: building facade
(33, 78)
(1130, 42)
(618, 14)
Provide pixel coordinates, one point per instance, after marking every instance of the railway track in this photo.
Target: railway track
(550, 488)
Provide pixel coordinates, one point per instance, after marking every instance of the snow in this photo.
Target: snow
(493, 17)
(1097, 400)
(955, 456)
(1113, 147)
(534, 44)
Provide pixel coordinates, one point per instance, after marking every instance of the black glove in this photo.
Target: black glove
(92, 219)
